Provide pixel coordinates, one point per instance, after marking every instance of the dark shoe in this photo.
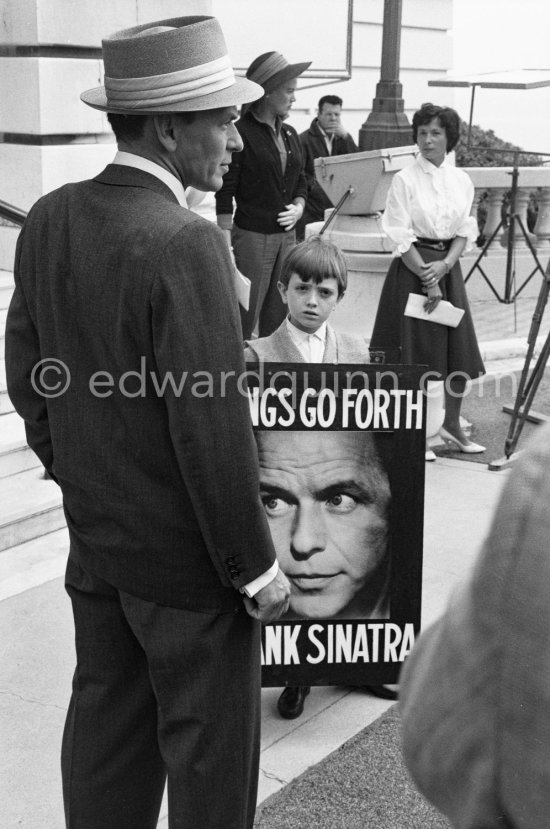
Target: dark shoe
(291, 702)
(383, 691)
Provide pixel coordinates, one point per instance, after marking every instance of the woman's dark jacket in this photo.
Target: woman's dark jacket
(255, 179)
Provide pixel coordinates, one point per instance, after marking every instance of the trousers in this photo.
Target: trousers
(259, 256)
(160, 694)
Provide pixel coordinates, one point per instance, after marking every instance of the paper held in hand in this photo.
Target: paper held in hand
(445, 313)
(242, 288)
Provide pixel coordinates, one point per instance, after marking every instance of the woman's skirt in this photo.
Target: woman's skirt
(442, 349)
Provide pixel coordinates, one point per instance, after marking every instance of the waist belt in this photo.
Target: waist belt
(434, 244)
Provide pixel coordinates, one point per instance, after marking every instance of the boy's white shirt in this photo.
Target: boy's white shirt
(310, 346)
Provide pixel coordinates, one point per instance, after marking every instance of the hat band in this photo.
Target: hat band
(184, 85)
(273, 64)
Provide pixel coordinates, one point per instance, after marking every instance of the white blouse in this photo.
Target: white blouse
(430, 202)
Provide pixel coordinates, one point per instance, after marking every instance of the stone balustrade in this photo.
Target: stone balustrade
(493, 183)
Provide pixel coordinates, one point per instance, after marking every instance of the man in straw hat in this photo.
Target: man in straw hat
(123, 352)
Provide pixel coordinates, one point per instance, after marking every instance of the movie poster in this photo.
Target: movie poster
(341, 452)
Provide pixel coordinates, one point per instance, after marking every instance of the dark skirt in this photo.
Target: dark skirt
(444, 350)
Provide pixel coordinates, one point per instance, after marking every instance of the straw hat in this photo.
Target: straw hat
(175, 65)
(271, 70)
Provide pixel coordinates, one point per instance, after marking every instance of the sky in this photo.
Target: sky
(491, 35)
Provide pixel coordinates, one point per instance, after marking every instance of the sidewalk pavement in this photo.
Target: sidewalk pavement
(37, 660)
(37, 648)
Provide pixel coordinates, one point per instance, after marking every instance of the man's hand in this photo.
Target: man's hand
(288, 217)
(271, 601)
(339, 131)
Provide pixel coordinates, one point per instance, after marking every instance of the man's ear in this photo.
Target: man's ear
(165, 130)
(340, 296)
(282, 290)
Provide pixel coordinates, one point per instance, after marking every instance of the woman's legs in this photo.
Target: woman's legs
(434, 412)
(455, 388)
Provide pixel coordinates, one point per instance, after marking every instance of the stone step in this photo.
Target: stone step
(5, 403)
(8, 241)
(30, 507)
(6, 279)
(15, 455)
(33, 563)
(12, 432)
(6, 290)
(5, 295)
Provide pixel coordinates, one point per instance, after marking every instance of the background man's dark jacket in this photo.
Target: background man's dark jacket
(314, 146)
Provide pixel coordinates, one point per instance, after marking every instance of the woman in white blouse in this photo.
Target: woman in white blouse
(427, 218)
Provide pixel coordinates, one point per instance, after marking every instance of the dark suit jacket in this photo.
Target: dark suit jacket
(160, 487)
(314, 146)
(279, 347)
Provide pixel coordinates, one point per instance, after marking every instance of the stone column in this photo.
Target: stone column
(494, 215)
(387, 125)
(542, 226)
(522, 201)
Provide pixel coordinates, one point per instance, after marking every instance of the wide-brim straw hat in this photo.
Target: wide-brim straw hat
(175, 65)
(271, 70)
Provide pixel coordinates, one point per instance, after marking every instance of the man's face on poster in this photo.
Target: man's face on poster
(327, 498)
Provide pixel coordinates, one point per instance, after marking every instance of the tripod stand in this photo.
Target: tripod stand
(514, 219)
(528, 383)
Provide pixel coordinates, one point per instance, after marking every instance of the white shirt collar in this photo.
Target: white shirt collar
(148, 166)
(311, 346)
(328, 138)
(430, 168)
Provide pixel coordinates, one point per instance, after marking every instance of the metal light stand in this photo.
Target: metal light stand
(529, 382)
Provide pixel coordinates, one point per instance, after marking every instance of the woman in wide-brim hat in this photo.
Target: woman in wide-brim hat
(264, 191)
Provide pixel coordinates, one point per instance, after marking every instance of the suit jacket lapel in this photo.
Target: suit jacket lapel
(331, 347)
(284, 345)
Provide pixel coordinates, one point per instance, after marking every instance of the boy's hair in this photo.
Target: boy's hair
(315, 259)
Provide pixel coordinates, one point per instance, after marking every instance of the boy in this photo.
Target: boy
(313, 281)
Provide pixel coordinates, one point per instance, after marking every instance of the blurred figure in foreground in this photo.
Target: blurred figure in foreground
(475, 692)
